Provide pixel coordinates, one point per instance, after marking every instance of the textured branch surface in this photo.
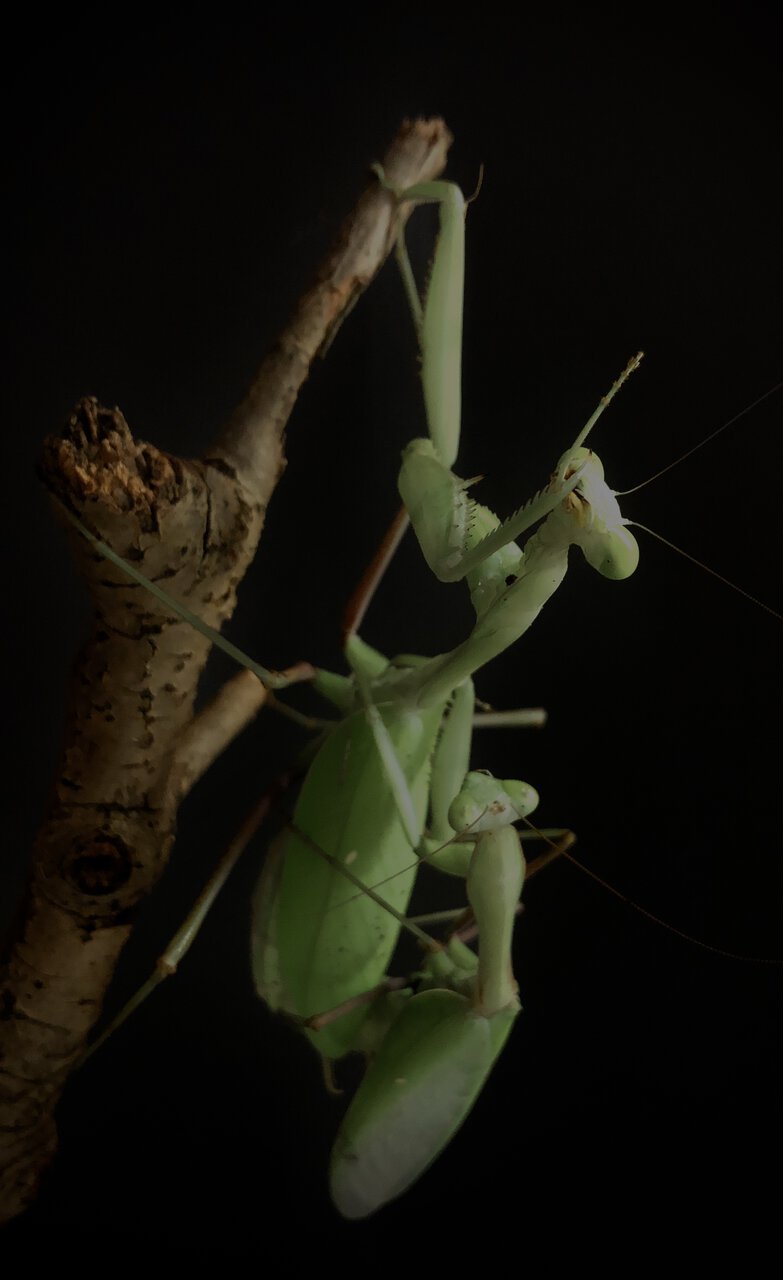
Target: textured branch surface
(194, 526)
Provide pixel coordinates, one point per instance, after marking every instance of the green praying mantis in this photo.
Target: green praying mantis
(390, 787)
(399, 758)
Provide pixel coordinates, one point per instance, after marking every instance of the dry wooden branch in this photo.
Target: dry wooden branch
(110, 825)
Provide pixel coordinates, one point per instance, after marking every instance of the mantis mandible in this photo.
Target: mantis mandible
(389, 786)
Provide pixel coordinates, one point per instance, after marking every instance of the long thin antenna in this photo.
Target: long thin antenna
(634, 524)
(427, 942)
(663, 924)
(623, 493)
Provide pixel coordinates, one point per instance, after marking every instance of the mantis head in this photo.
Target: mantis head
(599, 527)
(486, 803)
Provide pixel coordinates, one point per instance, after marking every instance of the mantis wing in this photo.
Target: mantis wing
(315, 941)
(416, 1094)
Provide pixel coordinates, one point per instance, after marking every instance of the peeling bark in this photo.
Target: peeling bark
(194, 526)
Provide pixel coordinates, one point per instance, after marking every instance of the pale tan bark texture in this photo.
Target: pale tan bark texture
(193, 526)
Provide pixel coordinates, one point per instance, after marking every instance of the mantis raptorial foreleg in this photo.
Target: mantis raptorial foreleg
(459, 538)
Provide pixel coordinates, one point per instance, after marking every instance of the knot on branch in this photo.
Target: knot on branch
(96, 457)
(98, 867)
(153, 509)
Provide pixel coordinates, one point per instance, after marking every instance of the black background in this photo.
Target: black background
(171, 190)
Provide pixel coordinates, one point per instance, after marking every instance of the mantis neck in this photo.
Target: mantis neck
(504, 620)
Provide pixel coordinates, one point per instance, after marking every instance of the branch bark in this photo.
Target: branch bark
(195, 525)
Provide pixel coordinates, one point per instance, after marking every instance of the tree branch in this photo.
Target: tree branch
(110, 825)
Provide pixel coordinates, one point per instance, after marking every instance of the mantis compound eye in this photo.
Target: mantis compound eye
(614, 553)
(581, 457)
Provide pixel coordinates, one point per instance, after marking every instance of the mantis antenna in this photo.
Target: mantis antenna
(634, 524)
(623, 493)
